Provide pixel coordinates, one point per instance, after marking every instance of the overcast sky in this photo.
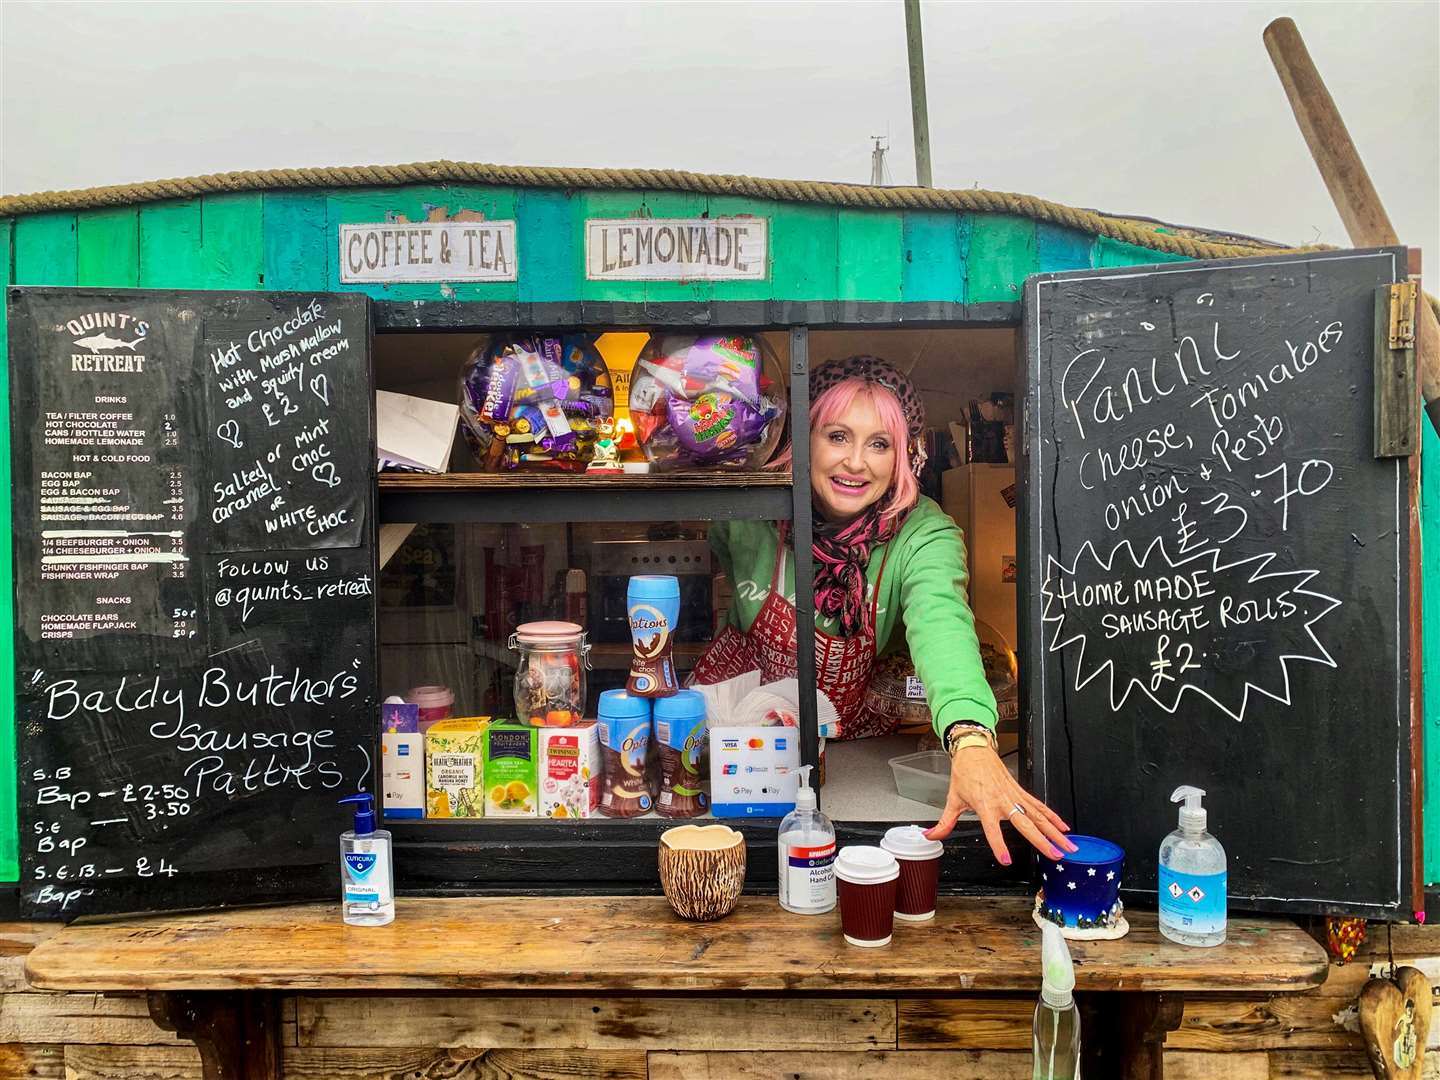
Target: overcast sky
(1165, 109)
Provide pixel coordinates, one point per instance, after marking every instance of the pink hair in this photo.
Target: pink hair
(829, 406)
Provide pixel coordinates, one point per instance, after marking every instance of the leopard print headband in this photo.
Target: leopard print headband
(872, 369)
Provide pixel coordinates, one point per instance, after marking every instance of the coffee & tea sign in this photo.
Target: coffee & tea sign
(428, 251)
(677, 249)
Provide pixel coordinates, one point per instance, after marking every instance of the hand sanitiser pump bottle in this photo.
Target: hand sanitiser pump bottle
(1055, 1031)
(1192, 877)
(807, 854)
(367, 878)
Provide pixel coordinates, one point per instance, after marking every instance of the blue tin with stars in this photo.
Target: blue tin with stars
(1080, 892)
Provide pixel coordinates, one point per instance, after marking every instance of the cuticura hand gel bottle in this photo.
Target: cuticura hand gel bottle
(807, 854)
(1192, 877)
(367, 876)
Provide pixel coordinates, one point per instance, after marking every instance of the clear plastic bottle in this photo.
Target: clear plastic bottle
(1055, 1031)
(1192, 877)
(807, 855)
(367, 875)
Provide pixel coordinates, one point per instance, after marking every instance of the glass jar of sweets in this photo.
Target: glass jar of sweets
(550, 679)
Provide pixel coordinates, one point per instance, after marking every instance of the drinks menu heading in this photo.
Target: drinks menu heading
(193, 508)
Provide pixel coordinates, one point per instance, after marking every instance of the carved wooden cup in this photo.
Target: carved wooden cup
(702, 870)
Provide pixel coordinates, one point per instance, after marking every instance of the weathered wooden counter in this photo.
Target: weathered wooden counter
(217, 977)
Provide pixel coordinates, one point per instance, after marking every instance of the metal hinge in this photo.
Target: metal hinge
(1402, 315)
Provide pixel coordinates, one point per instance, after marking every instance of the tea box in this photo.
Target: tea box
(511, 770)
(569, 771)
(454, 767)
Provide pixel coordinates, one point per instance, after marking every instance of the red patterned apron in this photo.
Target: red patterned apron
(842, 665)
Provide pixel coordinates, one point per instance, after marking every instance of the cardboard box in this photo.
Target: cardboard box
(512, 773)
(454, 767)
(569, 771)
(402, 774)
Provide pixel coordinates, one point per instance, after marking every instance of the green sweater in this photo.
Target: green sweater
(925, 577)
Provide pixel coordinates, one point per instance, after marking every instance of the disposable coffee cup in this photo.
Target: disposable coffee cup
(866, 879)
(919, 881)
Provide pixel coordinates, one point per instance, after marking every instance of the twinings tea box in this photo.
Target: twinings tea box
(454, 767)
(569, 771)
(512, 779)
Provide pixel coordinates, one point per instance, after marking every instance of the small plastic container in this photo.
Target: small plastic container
(550, 679)
(924, 777)
(434, 702)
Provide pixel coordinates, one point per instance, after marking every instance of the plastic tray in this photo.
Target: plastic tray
(924, 777)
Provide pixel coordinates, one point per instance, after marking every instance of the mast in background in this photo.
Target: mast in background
(877, 161)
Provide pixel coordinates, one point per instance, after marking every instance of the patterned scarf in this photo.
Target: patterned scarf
(842, 551)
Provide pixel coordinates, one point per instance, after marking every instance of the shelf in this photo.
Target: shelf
(562, 497)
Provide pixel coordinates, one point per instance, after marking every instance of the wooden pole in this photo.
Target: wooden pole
(1369, 225)
(1349, 184)
(919, 113)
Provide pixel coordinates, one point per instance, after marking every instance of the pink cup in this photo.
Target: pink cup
(435, 702)
(919, 883)
(866, 879)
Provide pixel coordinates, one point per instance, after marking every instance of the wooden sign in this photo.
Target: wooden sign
(1218, 571)
(677, 249)
(425, 251)
(195, 568)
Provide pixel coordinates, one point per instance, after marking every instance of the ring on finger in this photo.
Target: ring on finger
(1016, 809)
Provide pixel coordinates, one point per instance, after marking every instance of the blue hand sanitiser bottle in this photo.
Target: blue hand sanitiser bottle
(367, 877)
(1192, 877)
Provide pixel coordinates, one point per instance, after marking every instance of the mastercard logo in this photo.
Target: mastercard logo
(756, 744)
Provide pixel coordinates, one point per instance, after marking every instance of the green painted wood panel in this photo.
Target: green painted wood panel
(9, 826)
(871, 243)
(1109, 252)
(547, 233)
(296, 241)
(375, 205)
(1003, 253)
(1062, 249)
(1430, 640)
(45, 249)
(936, 247)
(734, 206)
(212, 243)
(108, 248)
(170, 256)
(804, 252)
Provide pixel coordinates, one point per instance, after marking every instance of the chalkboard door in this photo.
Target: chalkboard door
(1219, 572)
(194, 489)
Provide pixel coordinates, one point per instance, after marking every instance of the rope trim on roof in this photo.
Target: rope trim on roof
(1176, 242)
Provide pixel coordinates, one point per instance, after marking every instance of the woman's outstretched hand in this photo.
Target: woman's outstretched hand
(980, 781)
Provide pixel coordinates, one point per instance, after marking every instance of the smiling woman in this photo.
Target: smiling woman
(883, 554)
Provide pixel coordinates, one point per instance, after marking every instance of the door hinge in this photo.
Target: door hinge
(1402, 315)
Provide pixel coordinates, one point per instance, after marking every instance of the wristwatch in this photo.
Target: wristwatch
(963, 733)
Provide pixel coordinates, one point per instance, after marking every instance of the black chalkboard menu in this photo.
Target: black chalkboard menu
(1219, 572)
(194, 593)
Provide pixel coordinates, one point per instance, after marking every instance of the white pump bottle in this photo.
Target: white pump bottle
(807, 854)
(1192, 877)
(1055, 1030)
